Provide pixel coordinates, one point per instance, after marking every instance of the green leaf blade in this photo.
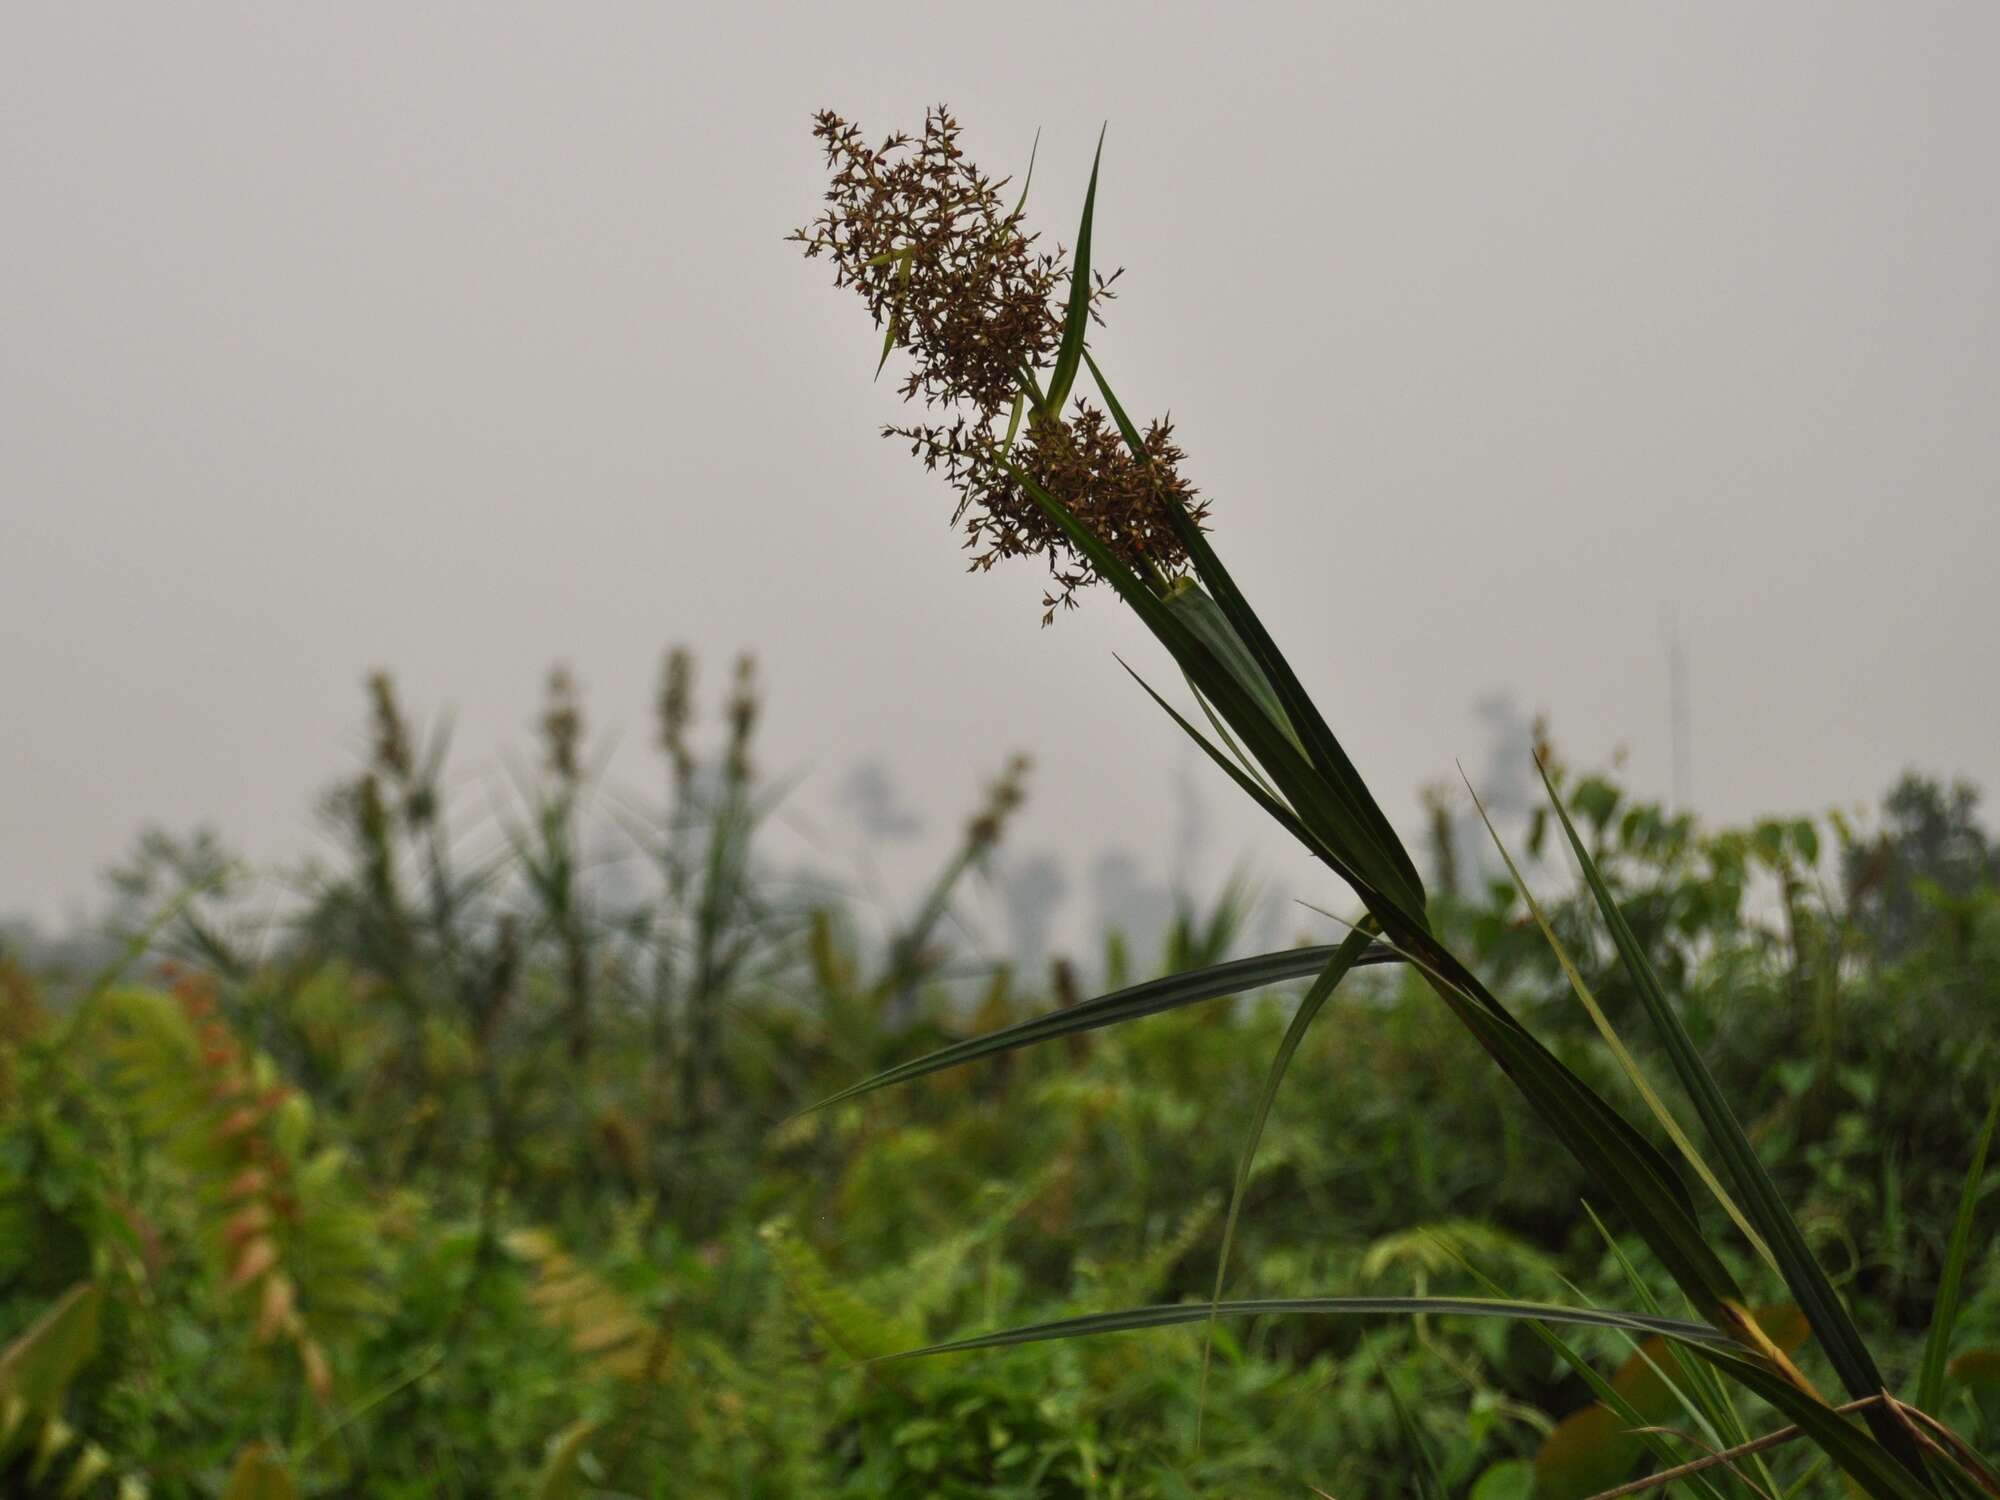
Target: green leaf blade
(1177, 1314)
(1076, 318)
(1128, 1004)
(1944, 1316)
(1832, 1323)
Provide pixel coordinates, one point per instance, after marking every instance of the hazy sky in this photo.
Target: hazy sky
(462, 338)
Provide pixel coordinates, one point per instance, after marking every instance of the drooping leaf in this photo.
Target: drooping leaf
(1170, 1315)
(1149, 998)
(1624, 1163)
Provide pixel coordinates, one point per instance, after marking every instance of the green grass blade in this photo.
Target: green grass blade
(1612, 1040)
(1235, 750)
(1076, 319)
(1013, 424)
(1628, 1168)
(1128, 1004)
(1430, 1483)
(1624, 1163)
(1398, 871)
(1608, 1395)
(1176, 1314)
(1029, 180)
(1831, 1322)
(1245, 777)
(1331, 819)
(1212, 628)
(1710, 1398)
(1391, 866)
(1937, 1344)
(1345, 957)
(895, 328)
(1864, 1460)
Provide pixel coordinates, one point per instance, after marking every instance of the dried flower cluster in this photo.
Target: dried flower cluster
(676, 711)
(921, 234)
(1084, 463)
(1002, 798)
(395, 759)
(950, 274)
(742, 719)
(562, 727)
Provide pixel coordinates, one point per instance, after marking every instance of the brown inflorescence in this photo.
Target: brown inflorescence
(948, 271)
(1002, 798)
(562, 726)
(1084, 463)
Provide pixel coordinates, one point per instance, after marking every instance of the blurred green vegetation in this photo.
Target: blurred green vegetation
(497, 1175)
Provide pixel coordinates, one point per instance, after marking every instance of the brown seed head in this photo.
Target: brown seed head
(944, 264)
(392, 735)
(1006, 794)
(562, 725)
(676, 713)
(925, 239)
(742, 718)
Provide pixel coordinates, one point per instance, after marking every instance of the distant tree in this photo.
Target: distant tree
(1931, 846)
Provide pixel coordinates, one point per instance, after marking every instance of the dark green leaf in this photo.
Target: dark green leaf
(1076, 320)
(1156, 995)
(1865, 1461)
(1815, 1295)
(1389, 862)
(1937, 1345)
(1169, 1315)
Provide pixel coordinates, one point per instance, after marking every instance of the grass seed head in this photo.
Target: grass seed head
(676, 706)
(562, 726)
(947, 269)
(743, 707)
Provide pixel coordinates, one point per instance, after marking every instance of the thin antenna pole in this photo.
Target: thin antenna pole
(1677, 712)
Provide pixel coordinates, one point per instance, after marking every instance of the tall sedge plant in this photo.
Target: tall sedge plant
(955, 279)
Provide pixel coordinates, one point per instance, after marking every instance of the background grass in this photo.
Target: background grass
(489, 1176)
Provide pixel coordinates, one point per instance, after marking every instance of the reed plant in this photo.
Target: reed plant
(1000, 336)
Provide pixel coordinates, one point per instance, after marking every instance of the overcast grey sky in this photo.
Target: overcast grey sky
(460, 338)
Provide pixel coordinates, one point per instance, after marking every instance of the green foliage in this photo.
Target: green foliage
(502, 1174)
(574, 1306)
